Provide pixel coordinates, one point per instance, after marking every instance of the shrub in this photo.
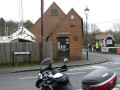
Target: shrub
(113, 50)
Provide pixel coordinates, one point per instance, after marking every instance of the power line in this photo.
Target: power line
(108, 21)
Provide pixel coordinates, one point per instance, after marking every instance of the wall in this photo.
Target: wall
(61, 23)
(50, 22)
(7, 49)
(74, 35)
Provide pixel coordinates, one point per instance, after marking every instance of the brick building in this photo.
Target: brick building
(65, 31)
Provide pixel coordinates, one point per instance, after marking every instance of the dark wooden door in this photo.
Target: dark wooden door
(63, 47)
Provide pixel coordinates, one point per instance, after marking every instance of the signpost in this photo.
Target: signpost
(21, 53)
(104, 49)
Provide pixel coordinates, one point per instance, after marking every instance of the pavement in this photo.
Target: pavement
(93, 58)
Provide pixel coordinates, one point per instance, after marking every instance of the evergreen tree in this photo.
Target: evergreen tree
(2, 26)
(28, 24)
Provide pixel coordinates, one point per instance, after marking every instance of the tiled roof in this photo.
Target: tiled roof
(101, 36)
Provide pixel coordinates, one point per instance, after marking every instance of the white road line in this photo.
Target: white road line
(118, 85)
(28, 78)
(76, 73)
(97, 66)
(116, 89)
(83, 68)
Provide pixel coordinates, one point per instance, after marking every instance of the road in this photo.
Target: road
(26, 80)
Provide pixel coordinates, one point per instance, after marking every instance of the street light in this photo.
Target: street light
(86, 13)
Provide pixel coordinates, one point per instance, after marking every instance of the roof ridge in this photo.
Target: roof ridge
(54, 3)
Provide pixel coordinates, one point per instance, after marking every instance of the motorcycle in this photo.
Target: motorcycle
(51, 78)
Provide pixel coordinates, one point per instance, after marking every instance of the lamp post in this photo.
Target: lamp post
(86, 13)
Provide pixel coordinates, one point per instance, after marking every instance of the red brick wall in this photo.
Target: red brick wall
(36, 30)
(76, 30)
(51, 21)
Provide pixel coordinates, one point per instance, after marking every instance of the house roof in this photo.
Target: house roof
(103, 36)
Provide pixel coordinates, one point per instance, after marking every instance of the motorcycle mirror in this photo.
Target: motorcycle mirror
(66, 60)
(39, 76)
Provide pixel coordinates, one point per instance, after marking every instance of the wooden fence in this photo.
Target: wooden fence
(7, 49)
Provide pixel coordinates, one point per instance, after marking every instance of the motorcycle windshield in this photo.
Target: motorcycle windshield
(45, 64)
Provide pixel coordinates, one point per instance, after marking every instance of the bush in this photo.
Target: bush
(113, 50)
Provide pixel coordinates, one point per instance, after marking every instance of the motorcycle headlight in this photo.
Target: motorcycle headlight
(39, 76)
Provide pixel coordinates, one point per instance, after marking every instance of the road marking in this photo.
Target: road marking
(118, 85)
(97, 66)
(76, 73)
(116, 89)
(28, 78)
(83, 68)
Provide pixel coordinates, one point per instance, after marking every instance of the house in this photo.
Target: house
(106, 40)
(65, 31)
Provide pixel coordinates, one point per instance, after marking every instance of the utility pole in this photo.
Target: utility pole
(42, 28)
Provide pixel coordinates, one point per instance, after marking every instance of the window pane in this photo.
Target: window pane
(54, 12)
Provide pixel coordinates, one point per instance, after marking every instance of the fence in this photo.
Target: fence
(7, 49)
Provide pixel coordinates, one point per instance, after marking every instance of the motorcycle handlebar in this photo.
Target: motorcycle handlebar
(63, 68)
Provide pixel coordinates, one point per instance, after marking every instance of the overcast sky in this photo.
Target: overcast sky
(102, 12)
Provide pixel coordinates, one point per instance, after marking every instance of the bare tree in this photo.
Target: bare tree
(94, 30)
(116, 27)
